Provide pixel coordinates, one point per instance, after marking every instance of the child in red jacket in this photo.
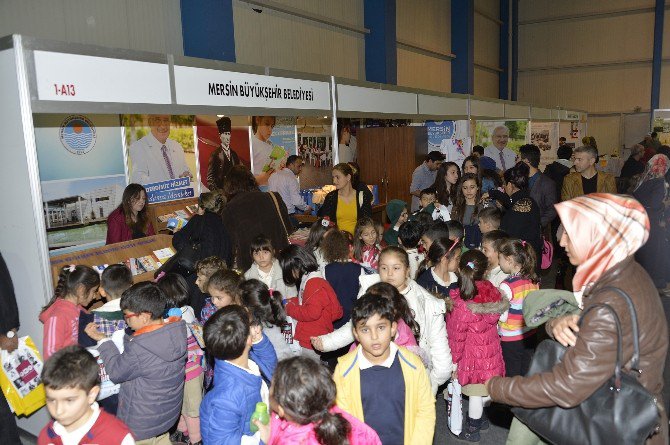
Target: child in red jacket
(316, 307)
(472, 331)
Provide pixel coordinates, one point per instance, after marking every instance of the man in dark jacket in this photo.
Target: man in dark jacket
(560, 168)
(542, 188)
(223, 158)
(633, 165)
(9, 341)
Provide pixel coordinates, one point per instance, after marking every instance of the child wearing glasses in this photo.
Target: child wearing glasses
(151, 368)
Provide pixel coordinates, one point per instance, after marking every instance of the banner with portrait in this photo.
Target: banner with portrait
(518, 131)
(82, 175)
(161, 155)
(451, 138)
(223, 142)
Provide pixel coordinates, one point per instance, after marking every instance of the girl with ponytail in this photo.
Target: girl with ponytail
(472, 330)
(267, 309)
(437, 273)
(77, 287)
(302, 398)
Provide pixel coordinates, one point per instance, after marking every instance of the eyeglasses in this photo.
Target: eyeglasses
(130, 315)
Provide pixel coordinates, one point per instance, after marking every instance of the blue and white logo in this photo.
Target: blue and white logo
(77, 134)
(439, 131)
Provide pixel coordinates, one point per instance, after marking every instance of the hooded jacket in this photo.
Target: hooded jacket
(394, 209)
(283, 432)
(61, 321)
(590, 363)
(151, 371)
(472, 329)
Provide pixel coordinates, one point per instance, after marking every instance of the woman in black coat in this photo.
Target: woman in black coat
(651, 191)
(207, 228)
(521, 217)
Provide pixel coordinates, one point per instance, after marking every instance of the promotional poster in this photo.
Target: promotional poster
(451, 138)
(272, 141)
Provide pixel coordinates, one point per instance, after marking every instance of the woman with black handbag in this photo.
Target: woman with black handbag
(601, 234)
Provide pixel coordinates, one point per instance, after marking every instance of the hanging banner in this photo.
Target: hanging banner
(450, 138)
(223, 142)
(82, 175)
(545, 136)
(501, 140)
(161, 153)
(201, 86)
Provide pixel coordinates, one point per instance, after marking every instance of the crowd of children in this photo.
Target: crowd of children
(314, 335)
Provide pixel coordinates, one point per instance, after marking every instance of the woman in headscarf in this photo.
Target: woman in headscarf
(651, 191)
(601, 234)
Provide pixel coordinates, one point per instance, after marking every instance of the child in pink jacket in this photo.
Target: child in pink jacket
(302, 397)
(473, 336)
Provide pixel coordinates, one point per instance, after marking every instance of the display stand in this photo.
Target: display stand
(113, 254)
(163, 208)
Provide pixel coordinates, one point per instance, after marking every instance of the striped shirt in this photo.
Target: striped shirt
(516, 289)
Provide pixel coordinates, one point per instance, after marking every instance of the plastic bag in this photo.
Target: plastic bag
(454, 407)
(20, 378)
(107, 387)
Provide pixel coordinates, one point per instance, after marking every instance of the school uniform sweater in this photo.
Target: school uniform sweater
(101, 428)
(343, 277)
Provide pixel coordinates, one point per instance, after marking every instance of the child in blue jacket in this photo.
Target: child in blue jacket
(239, 382)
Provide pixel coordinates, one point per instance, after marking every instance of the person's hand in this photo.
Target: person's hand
(485, 197)
(308, 210)
(317, 343)
(564, 329)
(263, 430)
(9, 344)
(263, 177)
(185, 174)
(256, 332)
(91, 330)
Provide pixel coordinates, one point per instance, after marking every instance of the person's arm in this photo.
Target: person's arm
(114, 229)
(507, 294)
(312, 305)
(440, 353)
(424, 416)
(584, 367)
(342, 399)
(265, 356)
(548, 209)
(181, 237)
(414, 188)
(610, 185)
(223, 427)
(139, 171)
(296, 199)
(337, 339)
(211, 171)
(566, 192)
(120, 367)
(9, 311)
(56, 332)
(179, 161)
(150, 229)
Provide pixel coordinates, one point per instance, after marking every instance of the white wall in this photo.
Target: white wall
(593, 56)
(147, 25)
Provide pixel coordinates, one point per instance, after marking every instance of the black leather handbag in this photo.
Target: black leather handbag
(621, 411)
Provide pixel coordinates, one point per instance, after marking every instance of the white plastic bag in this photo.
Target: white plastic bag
(454, 407)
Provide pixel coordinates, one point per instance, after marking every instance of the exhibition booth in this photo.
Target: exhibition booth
(75, 117)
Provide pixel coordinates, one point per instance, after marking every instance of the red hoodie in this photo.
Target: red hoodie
(61, 322)
(319, 309)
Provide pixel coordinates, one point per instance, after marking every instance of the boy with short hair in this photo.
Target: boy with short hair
(72, 383)
(382, 384)
(396, 210)
(409, 236)
(489, 219)
(108, 318)
(428, 204)
(151, 367)
(490, 242)
(204, 269)
(244, 362)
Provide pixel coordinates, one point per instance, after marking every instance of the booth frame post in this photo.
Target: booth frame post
(208, 30)
(22, 233)
(333, 124)
(656, 65)
(504, 50)
(462, 44)
(515, 48)
(381, 53)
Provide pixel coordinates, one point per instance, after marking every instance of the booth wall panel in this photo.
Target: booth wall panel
(421, 71)
(490, 7)
(607, 131)
(149, 25)
(665, 85)
(486, 83)
(666, 35)
(562, 43)
(540, 9)
(425, 24)
(305, 45)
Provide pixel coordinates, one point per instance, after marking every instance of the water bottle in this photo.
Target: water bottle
(261, 414)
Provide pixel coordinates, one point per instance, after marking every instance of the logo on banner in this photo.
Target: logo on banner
(77, 134)
(439, 131)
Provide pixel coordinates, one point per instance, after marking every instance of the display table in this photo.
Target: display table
(113, 254)
(163, 208)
